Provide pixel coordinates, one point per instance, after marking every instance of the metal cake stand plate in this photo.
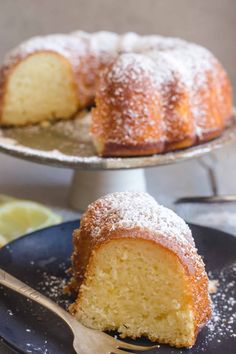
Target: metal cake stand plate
(67, 144)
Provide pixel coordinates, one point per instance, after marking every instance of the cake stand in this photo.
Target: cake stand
(67, 144)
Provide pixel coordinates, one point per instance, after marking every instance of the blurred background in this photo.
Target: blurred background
(211, 23)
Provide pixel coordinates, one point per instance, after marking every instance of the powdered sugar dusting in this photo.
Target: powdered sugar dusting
(178, 75)
(181, 75)
(191, 59)
(157, 43)
(213, 286)
(128, 41)
(71, 47)
(222, 324)
(53, 287)
(99, 42)
(174, 55)
(130, 67)
(132, 209)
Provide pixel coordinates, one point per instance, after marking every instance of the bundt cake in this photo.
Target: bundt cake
(136, 270)
(151, 94)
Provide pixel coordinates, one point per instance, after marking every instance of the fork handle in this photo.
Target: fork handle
(15, 284)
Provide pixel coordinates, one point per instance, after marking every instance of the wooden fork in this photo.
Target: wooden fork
(86, 340)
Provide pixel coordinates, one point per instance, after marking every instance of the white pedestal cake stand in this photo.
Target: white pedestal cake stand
(67, 144)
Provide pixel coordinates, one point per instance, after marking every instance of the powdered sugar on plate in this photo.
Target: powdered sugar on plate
(223, 322)
(53, 287)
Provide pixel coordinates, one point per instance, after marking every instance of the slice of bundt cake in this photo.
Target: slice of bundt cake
(38, 80)
(52, 77)
(136, 270)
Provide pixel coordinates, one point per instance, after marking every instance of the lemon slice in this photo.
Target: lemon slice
(21, 217)
(3, 241)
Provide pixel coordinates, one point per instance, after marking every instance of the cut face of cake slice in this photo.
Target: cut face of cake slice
(137, 271)
(39, 88)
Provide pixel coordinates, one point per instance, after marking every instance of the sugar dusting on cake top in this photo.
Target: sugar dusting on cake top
(167, 60)
(136, 210)
(71, 47)
(130, 67)
(167, 63)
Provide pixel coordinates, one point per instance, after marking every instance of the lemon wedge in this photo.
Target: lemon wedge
(21, 217)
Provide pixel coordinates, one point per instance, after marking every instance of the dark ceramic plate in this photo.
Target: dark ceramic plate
(41, 258)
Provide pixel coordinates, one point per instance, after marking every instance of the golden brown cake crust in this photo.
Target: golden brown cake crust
(137, 216)
(190, 101)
